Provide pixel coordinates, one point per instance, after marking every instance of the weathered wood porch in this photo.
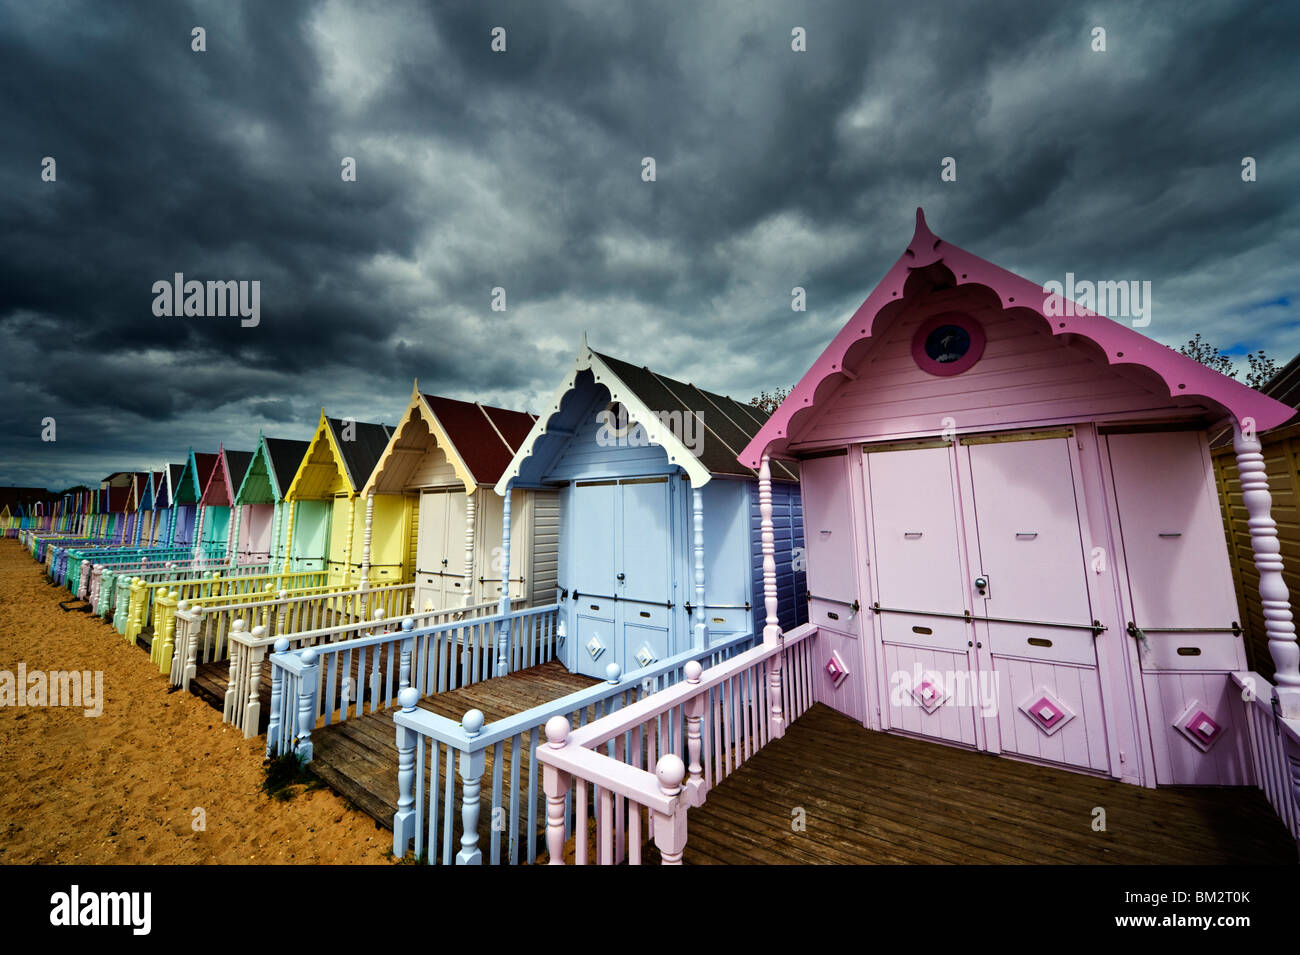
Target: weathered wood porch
(358, 758)
(870, 797)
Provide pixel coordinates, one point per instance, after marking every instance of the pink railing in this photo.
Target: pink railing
(641, 768)
(1274, 748)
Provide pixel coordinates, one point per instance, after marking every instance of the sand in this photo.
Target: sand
(123, 787)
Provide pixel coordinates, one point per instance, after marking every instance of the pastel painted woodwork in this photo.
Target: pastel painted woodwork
(327, 523)
(435, 479)
(1014, 541)
(263, 512)
(657, 531)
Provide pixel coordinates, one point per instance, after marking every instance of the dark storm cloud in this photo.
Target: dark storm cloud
(522, 170)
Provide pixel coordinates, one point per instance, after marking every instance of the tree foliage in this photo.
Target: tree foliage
(769, 401)
(1261, 367)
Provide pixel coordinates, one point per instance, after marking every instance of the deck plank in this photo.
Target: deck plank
(358, 757)
(882, 798)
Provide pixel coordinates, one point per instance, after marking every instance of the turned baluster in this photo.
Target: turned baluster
(556, 784)
(471, 766)
(694, 709)
(408, 647)
(1274, 596)
(254, 653)
(306, 705)
(277, 703)
(407, 739)
(772, 629)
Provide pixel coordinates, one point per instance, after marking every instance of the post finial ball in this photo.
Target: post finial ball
(408, 697)
(309, 656)
(693, 671)
(239, 624)
(408, 623)
(671, 771)
(281, 644)
(557, 731)
(259, 632)
(613, 672)
(472, 722)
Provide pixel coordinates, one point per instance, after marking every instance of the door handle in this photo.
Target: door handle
(982, 586)
(621, 577)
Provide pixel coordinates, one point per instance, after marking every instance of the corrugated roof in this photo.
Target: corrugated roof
(727, 425)
(362, 453)
(285, 457)
(485, 438)
(237, 463)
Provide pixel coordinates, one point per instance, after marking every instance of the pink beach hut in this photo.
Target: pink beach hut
(1014, 539)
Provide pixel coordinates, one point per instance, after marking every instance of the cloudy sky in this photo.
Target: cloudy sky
(522, 170)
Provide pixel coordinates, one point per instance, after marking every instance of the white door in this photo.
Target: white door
(440, 550)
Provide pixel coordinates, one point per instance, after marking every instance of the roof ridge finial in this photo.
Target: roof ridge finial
(924, 242)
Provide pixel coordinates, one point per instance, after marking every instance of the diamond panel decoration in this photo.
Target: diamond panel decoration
(1199, 726)
(645, 656)
(595, 648)
(929, 693)
(835, 668)
(1046, 711)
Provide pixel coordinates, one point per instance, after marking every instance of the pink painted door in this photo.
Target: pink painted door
(1028, 580)
(924, 640)
(841, 677)
(1180, 591)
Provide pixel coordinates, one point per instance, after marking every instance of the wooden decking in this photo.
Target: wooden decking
(358, 758)
(879, 798)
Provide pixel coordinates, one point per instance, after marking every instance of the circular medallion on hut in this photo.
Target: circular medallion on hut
(948, 344)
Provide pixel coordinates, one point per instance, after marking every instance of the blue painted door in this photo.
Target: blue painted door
(592, 553)
(621, 573)
(643, 577)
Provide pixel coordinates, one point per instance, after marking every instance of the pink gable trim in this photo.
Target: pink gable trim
(1183, 377)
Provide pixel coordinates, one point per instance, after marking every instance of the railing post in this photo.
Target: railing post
(694, 709)
(701, 624)
(365, 541)
(556, 786)
(83, 585)
(670, 830)
(281, 610)
(408, 647)
(471, 765)
(470, 508)
(374, 659)
(503, 628)
(772, 629)
(404, 817)
(194, 625)
(232, 531)
(277, 699)
(306, 706)
(255, 654)
(1273, 594)
(237, 628)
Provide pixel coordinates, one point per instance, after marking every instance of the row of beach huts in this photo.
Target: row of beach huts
(494, 630)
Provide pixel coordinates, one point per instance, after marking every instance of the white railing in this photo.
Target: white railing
(639, 770)
(434, 749)
(321, 682)
(1274, 748)
(248, 650)
(203, 629)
